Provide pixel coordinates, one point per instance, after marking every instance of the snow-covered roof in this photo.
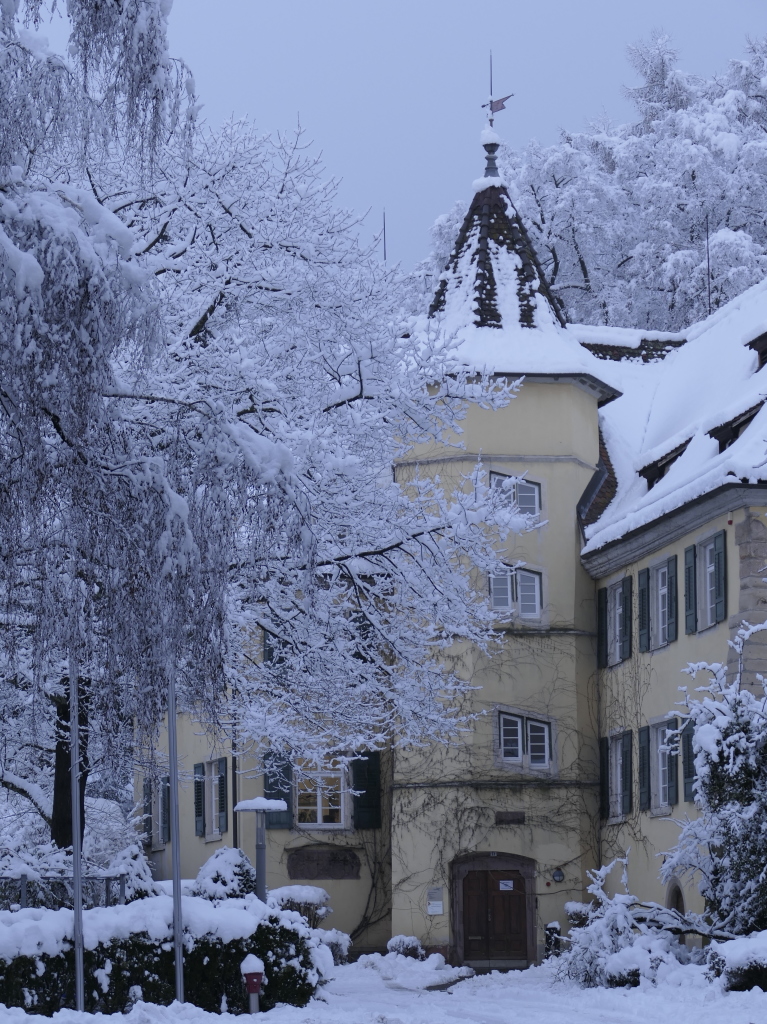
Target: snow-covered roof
(494, 301)
(665, 427)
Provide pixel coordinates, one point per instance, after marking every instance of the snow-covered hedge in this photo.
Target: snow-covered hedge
(309, 900)
(129, 955)
(741, 963)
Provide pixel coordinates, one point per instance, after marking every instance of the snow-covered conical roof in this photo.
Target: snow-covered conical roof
(494, 301)
(494, 263)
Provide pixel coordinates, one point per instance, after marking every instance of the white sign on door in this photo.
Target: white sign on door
(506, 885)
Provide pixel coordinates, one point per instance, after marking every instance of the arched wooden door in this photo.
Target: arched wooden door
(493, 925)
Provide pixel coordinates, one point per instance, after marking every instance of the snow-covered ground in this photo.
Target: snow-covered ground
(373, 993)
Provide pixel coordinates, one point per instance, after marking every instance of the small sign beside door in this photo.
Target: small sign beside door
(506, 885)
(434, 902)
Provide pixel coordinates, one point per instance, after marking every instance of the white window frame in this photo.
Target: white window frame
(659, 767)
(616, 776)
(659, 606)
(211, 801)
(706, 585)
(523, 758)
(505, 719)
(506, 588)
(614, 622)
(521, 489)
(502, 591)
(532, 723)
(318, 779)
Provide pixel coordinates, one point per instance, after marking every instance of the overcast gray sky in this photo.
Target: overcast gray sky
(391, 91)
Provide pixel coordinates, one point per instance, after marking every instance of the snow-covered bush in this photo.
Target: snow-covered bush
(406, 945)
(725, 847)
(308, 900)
(617, 941)
(129, 955)
(227, 873)
(412, 973)
(338, 942)
(741, 962)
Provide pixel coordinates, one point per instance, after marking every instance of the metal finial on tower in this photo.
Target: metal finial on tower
(493, 106)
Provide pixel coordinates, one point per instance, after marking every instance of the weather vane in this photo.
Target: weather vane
(493, 106)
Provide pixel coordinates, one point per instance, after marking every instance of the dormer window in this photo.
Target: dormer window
(759, 345)
(655, 471)
(728, 433)
(525, 493)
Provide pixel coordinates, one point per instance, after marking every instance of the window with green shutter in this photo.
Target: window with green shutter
(626, 612)
(148, 830)
(720, 577)
(165, 809)
(604, 777)
(602, 630)
(673, 765)
(278, 785)
(626, 773)
(199, 799)
(366, 781)
(223, 797)
(643, 609)
(690, 590)
(644, 768)
(688, 762)
(672, 628)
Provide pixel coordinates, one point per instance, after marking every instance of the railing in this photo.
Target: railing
(55, 891)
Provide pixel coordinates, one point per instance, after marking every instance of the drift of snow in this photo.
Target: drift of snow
(261, 803)
(360, 994)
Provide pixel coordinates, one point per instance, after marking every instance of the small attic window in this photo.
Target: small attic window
(729, 432)
(759, 345)
(655, 471)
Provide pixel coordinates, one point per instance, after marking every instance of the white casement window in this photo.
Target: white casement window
(511, 737)
(524, 741)
(614, 623)
(211, 807)
(659, 606)
(502, 591)
(517, 591)
(707, 602)
(660, 766)
(525, 493)
(538, 743)
(620, 775)
(321, 800)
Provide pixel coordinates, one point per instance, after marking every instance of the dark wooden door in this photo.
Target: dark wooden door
(494, 916)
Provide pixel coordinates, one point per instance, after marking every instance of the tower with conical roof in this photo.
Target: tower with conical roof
(492, 836)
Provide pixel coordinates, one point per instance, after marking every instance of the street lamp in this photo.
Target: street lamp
(261, 805)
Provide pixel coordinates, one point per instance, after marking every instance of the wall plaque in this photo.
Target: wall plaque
(312, 863)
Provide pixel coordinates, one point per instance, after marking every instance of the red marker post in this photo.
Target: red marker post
(252, 970)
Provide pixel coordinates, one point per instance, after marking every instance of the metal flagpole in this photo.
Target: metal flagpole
(175, 843)
(77, 864)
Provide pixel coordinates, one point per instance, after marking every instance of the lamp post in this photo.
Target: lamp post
(261, 805)
(175, 842)
(77, 862)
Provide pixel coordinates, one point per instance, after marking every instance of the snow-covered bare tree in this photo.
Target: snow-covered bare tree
(725, 847)
(205, 382)
(620, 215)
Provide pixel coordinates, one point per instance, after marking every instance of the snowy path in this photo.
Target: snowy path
(359, 995)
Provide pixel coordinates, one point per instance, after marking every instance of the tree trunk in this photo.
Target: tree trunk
(61, 817)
